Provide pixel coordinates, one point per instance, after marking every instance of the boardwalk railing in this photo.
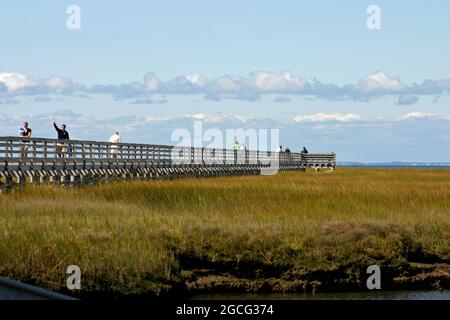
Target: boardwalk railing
(31, 155)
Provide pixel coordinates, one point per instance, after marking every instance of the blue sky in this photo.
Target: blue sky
(313, 70)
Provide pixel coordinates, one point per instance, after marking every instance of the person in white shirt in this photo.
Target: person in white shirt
(115, 138)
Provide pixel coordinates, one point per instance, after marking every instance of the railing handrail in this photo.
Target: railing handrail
(13, 138)
(106, 143)
(22, 153)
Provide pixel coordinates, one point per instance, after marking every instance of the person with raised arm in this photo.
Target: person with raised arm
(62, 135)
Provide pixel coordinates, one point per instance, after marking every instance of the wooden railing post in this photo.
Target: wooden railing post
(203, 155)
(33, 144)
(10, 148)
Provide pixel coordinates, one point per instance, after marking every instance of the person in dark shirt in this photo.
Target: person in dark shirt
(62, 135)
(287, 150)
(25, 133)
(304, 150)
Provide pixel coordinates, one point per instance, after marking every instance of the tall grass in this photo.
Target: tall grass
(139, 237)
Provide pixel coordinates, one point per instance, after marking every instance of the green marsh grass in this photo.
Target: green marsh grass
(145, 237)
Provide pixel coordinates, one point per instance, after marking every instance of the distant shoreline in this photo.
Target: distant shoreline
(388, 165)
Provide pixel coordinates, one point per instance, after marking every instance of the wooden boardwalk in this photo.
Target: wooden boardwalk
(39, 160)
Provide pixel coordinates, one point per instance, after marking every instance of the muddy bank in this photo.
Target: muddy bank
(192, 281)
(204, 277)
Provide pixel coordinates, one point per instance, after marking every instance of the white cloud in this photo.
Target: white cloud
(417, 115)
(152, 83)
(58, 83)
(252, 87)
(15, 81)
(284, 82)
(17, 84)
(260, 83)
(381, 83)
(226, 84)
(215, 118)
(321, 117)
(196, 79)
(362, 140)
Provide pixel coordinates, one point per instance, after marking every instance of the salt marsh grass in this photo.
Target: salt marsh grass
(152, 237)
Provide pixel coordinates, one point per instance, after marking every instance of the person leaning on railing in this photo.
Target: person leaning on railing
(62, 135)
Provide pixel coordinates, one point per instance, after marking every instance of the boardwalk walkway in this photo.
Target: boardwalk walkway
(39, 159)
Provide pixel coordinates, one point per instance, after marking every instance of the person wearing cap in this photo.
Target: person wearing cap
(62, 135)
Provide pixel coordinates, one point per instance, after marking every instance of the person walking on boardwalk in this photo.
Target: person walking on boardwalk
(115, 138)
(25, 132)
(236, 148)
(62, 135)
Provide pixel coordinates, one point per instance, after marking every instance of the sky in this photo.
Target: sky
(314, 71)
